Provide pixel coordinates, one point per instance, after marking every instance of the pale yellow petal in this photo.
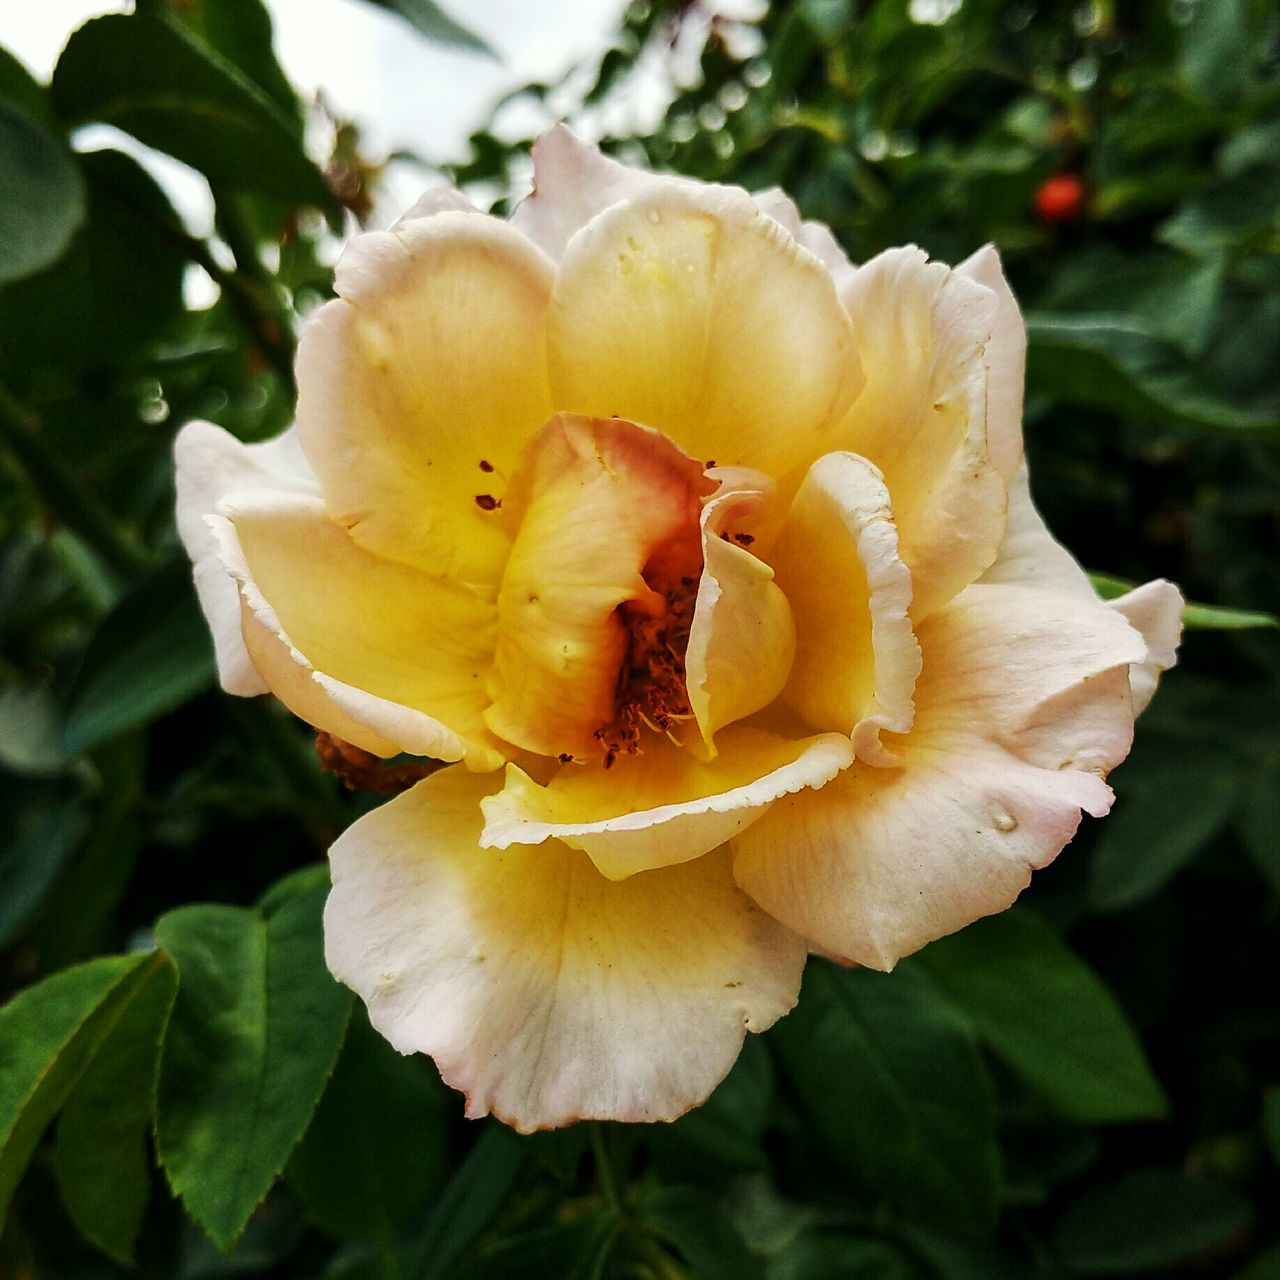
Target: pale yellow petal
(545, 992)
(664, 806)
(743, 639)
(420, 385)
(688, 310)
(922, 332)
(594, 502)
(838, 564)
(814, 236)
(402, 652)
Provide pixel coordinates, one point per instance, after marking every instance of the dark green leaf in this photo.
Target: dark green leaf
(1150, 1220)
(1258, 820)
(575, 1250)
(44, 198)
(1161, 820)
(692, 1221)
(434, 23)
(104, 1165)
(148, 77)
(1264, 1267)
(255, 1032)
(1048, 1016)
(20, 87)
(48, 1036)
(891, 1077)
(1112, 363)
(1271, 1121)
(151, 654)
(828, 1255)
(379, 1143)
(38, 844)
(468, 1203)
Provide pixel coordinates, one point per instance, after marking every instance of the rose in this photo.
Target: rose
(712, 560)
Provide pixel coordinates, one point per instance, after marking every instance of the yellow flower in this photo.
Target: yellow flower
(712, 561)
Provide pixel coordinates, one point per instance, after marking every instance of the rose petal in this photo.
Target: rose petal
(837, 562)
(662, 807)
(399, 652)
(545, 992)
(211, 463)
(419, 385)
(743, 639)
(691, 312)
(1023, 702)
(922, 331)
(1154, 610)
(814, 236)
(593, 501)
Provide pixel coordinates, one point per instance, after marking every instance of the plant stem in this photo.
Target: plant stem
(604, 1168)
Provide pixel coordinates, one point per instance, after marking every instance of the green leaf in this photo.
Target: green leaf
(104, 1165)
(150, 78)
(48, 1036)
(891, 1076)
(33, 854)
(1113, 363)
(379, 1143)
(692, 1221)
(1163, 816)
(1258, 820)
(19, 87)
(575, 1250)
(432, 21)
(1271, 1121)
(828, 1255)
(1199, 617)
(468, 1203)
(256, 1029)
(1047, 1016)
(44, 199)
(1264, 1267)
(1149, 1220)
(150, 654)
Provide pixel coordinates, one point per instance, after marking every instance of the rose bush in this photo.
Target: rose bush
(711, 561)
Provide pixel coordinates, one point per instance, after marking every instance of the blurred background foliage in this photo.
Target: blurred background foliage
(1088, 1085)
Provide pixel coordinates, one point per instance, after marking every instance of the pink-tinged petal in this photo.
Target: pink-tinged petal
(1154, 610)
(435, 200)
(545, 992)
(688, 310)
(572, 182)
(593, 503)
(922, 331)
(1031, 556)
(1022, 705)
(420, 385)
(742, 640)
(837, 562)
(814, 236)
(662, 807)
(1006, 361)
(212, 463)
(334, 630)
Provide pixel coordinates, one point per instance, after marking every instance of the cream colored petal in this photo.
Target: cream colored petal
(742, 640)
(1006, 361)
(420, 385)
(837, 563)
(212, 463)
(573, 181)
(814, 236)
(1154, 610)
(1031, 556)
(922, 331)
(688, 310)
(435, 200)
(594, 501)
(1022, 705)
(404, 654)
(545, 992)
(662, 807)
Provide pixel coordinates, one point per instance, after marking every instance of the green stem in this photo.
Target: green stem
(604, 1168)
(64, 495)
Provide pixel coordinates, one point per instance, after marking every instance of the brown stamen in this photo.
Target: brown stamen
(361, 770)
(487, 502)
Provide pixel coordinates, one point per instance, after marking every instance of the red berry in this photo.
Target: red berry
(1060, 199)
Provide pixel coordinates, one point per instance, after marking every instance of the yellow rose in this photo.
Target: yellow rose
(711, 558)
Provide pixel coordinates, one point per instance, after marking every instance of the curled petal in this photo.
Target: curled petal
(665, 806)
(923, 332)
(419, 385)
(814, 236)
(545, 992)
(212, 463)
(1154, 610)
(1022, 705)
(435, 200)
(398, 657)
(837, 562)
(593, 503)
(688, 310)
(743, 639)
